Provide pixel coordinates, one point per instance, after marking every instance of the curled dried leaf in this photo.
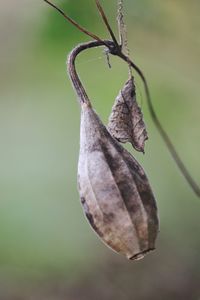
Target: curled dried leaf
(126, 121)
(114, 191)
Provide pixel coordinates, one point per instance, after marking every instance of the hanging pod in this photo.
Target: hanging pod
(114, 190)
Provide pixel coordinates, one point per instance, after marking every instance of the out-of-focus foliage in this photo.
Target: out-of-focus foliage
(43, 234)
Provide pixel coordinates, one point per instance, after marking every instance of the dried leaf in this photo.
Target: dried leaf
(126, 121)
(114, 191)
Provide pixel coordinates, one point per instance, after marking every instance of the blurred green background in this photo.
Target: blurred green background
(47, 249)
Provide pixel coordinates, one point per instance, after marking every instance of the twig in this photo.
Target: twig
(82, 29)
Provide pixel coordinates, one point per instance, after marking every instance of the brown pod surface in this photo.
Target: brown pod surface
(126, 120)
(114, 190)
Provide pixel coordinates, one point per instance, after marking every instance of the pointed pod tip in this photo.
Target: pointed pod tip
(141, 255)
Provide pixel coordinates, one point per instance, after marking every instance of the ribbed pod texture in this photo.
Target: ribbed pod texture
(114, 190)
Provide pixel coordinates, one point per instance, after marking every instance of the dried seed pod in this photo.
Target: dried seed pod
(126, 121)
(114, 191)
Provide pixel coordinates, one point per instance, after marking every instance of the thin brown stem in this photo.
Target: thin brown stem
(82, 29)
(161, 130)
(120, 22)
(105, 19)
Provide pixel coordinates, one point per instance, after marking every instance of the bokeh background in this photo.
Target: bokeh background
(47, 249)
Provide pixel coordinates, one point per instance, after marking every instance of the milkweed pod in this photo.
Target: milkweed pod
(114, 190)
(126, 120)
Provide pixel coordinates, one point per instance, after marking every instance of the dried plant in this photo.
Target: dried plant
(114, 189)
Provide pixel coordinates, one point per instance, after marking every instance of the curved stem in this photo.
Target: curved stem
(83, 98)
(162, 132)
(78, 86)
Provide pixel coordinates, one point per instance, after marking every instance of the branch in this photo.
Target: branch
(82, 29)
